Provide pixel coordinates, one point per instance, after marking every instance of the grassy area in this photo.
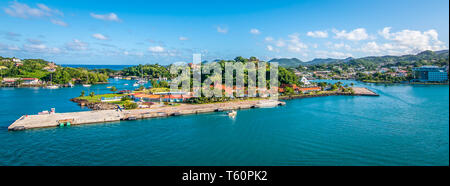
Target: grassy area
(97, 98)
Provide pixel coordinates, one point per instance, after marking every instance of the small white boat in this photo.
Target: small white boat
(86, 85)
(70, 84)
(135, 85)
(142, 82)
(232, 114)
(125, 84)
(52, 86)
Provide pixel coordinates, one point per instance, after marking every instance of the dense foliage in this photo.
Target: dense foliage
(46, 71)
(149, 70)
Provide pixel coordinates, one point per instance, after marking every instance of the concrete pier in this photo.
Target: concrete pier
(101, 116)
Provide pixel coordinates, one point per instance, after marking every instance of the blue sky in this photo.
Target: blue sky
(139, 32)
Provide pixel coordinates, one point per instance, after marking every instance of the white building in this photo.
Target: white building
(305, 81)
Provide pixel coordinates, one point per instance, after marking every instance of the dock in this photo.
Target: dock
(103, 116)
(361, 91)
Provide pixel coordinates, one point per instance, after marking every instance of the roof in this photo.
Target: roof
(30, 79)
(310, 88)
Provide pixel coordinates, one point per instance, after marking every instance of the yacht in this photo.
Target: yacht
(232, 114)
(52, 86)
(86, 85)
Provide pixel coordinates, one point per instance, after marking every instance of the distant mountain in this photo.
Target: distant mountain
(425, 55)
(318, 61)
(286, 62)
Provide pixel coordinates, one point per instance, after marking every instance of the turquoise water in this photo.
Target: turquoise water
(405, 125)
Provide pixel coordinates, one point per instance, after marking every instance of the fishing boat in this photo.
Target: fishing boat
(52, 87)
(87, 81)
(109, 87)
(232, 114)
(142, 81)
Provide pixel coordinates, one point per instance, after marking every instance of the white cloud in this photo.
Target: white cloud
(254, 31)
(35, 46)
(222, 30)
(332, 54)
(269, 47)
(21, 10)
(106, 17)
(269, 39)
(317, 34)
(99, 36)
(295, 45)
(156, 49)
(77, 45)
(58, 22)
(280, 43)
(183, 38)
(412, 41)
(355, 35)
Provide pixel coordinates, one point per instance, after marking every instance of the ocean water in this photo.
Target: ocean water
(405, 125)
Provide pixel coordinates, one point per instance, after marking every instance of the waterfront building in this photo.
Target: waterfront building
(30, 81)
(10, 81)
(430, 74)
(309, 89)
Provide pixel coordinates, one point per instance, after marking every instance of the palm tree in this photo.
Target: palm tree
(113, 89)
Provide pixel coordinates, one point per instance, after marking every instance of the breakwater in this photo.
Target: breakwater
(101, 116)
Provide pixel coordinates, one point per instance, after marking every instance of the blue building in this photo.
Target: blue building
(430, 73)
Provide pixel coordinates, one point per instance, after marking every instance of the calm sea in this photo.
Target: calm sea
(405, 125)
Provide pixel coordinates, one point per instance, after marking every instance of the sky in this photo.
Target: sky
(141, 32)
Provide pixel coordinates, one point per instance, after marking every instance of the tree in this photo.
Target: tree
(113, 89)
(288, 91)
(82, 93)
(352, 84)
(130, 105)
(154, 83)
(141, 88)
(163, 84)
(240, 59)
(334, 87)
(92, 94)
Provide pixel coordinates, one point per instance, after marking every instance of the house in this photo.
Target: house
(10, 81)
(30, 81)
(50, 69)
(309, 89)
(146, 97)
(15, 60)
(402, 73)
